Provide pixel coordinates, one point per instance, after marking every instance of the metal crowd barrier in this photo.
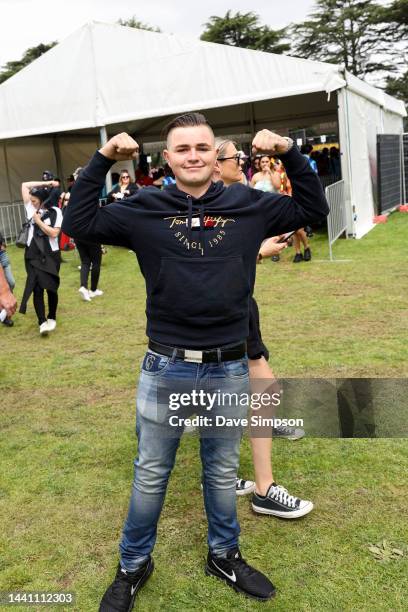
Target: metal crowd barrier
(12, 217)
(336, 219)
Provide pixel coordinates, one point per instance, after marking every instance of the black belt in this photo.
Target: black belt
(238, 351)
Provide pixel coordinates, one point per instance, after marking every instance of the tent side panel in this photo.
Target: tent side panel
(4, 189)
(27, 159)
(75, 152)
(365, 120)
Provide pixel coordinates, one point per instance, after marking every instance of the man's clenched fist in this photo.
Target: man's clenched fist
(120, 147)
(269, 143)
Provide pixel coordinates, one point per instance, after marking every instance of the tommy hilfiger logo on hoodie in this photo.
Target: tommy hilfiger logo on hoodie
(180, 224)
(209, 222)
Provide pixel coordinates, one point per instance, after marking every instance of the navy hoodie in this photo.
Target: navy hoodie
(197, 255)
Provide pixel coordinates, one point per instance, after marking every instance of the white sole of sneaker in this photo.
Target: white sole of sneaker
(240, 493)
(286, 515)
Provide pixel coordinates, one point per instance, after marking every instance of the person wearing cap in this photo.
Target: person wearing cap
(42, 254)
(54, 193)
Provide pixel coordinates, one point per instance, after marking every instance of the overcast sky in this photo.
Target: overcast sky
(26, 23)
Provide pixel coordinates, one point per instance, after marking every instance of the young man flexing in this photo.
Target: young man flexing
(197, 244)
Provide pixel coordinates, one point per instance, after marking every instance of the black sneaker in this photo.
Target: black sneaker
(297, 258)
(278, 502)
(236, 572)
(290, 433)
(307, 255)
(8, 322)
(121, 595)
(275, 258)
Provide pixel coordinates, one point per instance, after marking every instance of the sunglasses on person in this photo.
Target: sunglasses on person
(125, 176)
(237, 158)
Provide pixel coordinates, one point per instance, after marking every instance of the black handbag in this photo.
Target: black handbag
(22, 238)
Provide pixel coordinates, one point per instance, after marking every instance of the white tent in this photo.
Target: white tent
(118, 78)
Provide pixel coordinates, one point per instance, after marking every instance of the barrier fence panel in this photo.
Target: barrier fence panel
(12, 217)
(336, 219)
(388, 171)
(404, 168)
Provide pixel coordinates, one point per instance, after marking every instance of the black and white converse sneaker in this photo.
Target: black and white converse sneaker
(279, 502)
(243, 487)
(236, 572)
(290, 433)
(121, 595)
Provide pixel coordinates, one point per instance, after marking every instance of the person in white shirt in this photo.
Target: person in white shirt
(42, 253)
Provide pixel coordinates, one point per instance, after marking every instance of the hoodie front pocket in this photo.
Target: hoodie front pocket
(205, 290)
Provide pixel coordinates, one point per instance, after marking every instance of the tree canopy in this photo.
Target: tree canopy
(346, 32)
(132, 22)
(11, 68)
(244, 30)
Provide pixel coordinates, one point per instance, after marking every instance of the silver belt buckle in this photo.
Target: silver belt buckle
(193, 356)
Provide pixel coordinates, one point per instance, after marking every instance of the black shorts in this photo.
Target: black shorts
(255, 346)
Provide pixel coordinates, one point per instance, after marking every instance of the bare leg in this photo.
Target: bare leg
(262, 447)
(296, 241)
(303, 237)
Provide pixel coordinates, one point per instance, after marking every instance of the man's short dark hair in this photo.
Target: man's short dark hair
(186, 120)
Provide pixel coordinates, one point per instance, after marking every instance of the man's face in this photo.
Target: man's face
(191, 155)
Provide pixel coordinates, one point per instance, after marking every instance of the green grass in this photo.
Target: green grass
(67, 441)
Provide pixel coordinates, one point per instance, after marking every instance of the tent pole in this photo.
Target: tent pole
(348, 149)
(103, 137)
(7, 172)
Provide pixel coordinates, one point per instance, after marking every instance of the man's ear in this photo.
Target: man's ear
(166, 156)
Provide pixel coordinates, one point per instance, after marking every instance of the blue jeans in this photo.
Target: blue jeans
(5, 263)
(158, 442)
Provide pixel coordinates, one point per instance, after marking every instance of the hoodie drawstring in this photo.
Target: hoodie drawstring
(202, 237)
(190, 223)
(189, 219)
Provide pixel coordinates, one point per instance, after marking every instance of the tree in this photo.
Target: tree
(348, 32)
(11, 68)
(244, 30)
(396, 16)
(132, 22)
(398, 87)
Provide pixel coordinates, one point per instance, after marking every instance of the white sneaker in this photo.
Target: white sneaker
(243, 487)
(85, 294)
(44, 329)
(52, 324)
(95, 293)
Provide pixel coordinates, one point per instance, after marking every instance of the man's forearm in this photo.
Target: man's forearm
(83, 204)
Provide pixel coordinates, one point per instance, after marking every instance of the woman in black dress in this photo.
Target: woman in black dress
(268, 496)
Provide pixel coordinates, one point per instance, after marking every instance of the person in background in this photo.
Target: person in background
(253, 168)
(6, 268)
(42, 253)
(323, 162)
(124, 189)
(91, 259)
(307, 151)
(54, 192)
(167, 177)
(269, 497)
(267, 179)
(7, 300)
(335, 167)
